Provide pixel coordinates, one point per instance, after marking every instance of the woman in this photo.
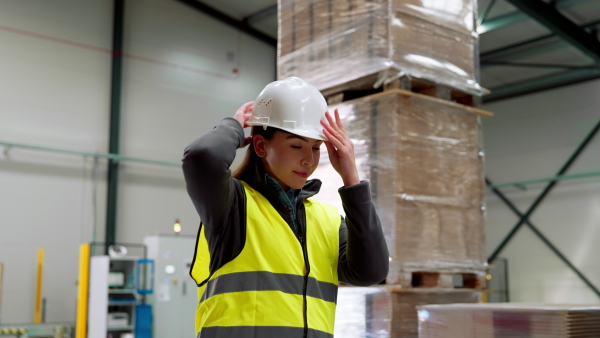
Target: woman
(268, 258)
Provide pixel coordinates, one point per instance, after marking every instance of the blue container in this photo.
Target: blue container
(145, 276)
(143, 321)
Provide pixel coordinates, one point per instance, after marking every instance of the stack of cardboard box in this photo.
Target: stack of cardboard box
(423, 158)
(415, 141)
(388, 311)
(509, 320)
(330, 42)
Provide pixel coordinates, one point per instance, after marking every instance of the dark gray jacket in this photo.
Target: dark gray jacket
(220, 201)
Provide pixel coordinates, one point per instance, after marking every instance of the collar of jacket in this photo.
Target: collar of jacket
(255, 177)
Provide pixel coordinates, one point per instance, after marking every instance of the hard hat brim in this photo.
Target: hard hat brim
(314, 134)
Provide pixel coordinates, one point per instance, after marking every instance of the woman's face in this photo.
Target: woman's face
(290, 159)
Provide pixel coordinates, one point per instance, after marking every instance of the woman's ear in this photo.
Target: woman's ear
(259, 145)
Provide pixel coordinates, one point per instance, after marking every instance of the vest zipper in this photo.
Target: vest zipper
(302, 223)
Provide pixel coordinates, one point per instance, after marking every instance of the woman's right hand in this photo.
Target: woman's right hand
(242, 115)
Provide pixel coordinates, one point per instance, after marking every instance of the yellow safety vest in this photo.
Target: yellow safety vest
(266, 292)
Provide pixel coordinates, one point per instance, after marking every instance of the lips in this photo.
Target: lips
(301, 174)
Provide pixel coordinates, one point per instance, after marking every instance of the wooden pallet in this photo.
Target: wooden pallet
(365, 86)
(421, 279)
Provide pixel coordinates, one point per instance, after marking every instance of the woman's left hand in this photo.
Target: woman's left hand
(340, 149)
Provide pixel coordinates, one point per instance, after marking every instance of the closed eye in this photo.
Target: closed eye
(296, 147)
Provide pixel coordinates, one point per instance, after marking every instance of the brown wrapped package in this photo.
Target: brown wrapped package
(386, 312)
(331, 42)
(423, 160)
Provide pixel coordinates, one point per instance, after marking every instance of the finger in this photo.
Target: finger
(250, 107)
(337, 126)
(330, 120)
(340, 135)
(244, 108)
(246, 141)
(328, 128)
(330, 148)
(333, 139)
(338, 120)
(333, 136)
(328, 123)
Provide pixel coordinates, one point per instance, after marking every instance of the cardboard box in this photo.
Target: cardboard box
(423, 159)
(339, 41)
(384, 311)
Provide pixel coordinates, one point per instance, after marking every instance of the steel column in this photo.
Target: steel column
(115, 122)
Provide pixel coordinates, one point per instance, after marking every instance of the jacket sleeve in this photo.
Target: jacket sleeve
(364, 257)
(206, 163)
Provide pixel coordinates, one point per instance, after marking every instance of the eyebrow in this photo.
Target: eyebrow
(300, 137)
(297, 136)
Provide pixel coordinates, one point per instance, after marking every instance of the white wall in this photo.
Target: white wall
(532, 137)
(55, 66)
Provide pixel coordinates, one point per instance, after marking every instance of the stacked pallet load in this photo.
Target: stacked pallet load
(388, 311)
(508, 320)
(423, 158)
(402, 74)
(356, 42)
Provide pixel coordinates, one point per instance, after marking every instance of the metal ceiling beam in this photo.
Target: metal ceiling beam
(550, 17)
(539, 65)
(528, 48)
(261, 15)
(240, 25)
(501, 21)
(543, 83)
(517, 16)
(485, 13)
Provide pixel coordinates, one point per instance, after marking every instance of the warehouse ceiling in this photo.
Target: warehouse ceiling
(525, 45)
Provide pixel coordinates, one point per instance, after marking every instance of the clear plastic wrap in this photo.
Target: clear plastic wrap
(508, 320)
(423, 159)
(458, 15)
(386, 312)
(331, 42)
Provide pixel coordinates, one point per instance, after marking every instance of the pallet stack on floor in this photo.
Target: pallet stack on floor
(402, 74)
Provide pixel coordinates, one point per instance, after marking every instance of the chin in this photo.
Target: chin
(297, 185)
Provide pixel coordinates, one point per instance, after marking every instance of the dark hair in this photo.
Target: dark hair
(251, 158)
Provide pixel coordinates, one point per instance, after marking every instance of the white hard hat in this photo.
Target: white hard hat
(292, 105)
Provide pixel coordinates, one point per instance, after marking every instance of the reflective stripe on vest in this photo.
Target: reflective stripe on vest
(269, 281)
(259, 331)
(260, 293)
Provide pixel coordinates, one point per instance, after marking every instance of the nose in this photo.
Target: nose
(309, 157)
